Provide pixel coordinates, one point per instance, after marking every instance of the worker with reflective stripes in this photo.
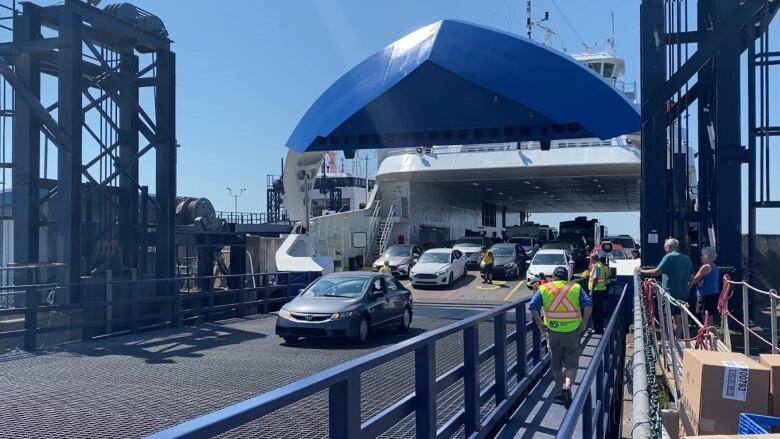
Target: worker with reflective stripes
(566, 313)
(597, 276)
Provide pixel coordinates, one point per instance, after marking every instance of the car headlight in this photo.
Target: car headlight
(510, 265)
(283, 313)
(442, 272)
(343, 315)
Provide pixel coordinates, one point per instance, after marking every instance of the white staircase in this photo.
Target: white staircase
(382, 231)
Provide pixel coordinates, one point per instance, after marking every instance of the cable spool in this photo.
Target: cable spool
(191, 211)
(139, 17)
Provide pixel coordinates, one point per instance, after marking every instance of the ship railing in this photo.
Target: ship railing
(251, 218)
(458, 149)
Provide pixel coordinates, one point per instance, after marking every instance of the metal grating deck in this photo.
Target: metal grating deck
(135, 385)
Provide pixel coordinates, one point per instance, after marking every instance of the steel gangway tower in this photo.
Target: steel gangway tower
(692, 54)
(91, 95)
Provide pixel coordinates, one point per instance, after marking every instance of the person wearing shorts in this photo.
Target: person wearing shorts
(567, 309)
(707, 283)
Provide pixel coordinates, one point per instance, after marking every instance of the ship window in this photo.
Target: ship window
(488, 215)
(609, 68)
(596, 66)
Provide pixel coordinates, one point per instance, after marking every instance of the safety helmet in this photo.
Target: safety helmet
(561, 272)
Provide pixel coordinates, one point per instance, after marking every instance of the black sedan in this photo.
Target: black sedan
(349, 304)
(508, 260)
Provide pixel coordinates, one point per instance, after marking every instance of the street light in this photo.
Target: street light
(235, 198)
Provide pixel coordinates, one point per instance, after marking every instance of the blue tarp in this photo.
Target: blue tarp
(453, 82)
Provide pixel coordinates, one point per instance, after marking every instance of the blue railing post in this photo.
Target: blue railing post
(344, 408)
(176, 305)
(522, 348)
(587, 416)
(499, 332)
(425, 391)
(600, 396)
(31, 301)
(536, 353)
(471, 378)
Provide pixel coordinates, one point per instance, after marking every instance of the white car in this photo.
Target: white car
(438, 266)
(544, 262)
(471, 248)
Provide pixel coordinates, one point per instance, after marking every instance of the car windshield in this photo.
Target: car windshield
(470, 242)
(435, 258)
(398, 250)
(549, 259)
(527, 242)
(503, 251)
(618, 254)
(337, 286)
(623, 242)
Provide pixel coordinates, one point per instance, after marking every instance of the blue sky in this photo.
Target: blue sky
(248, 70)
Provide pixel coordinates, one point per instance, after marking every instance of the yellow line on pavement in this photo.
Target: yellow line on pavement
(514, 290)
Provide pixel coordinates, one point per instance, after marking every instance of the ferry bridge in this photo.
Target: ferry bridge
(189, 361)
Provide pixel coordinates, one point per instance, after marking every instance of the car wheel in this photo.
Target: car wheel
(406, 321)
(363, 330)
(290, 339)
(450, 281)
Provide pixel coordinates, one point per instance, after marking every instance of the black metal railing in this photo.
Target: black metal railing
(251, 218)
(104, 307)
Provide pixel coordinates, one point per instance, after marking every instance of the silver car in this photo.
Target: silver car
(348, 304)
(402, 258)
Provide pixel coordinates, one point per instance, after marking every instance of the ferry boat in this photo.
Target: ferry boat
(434, 194)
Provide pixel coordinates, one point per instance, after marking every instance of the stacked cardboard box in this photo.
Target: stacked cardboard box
(716, 387)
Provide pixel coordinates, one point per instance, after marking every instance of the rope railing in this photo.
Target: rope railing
(725, 295)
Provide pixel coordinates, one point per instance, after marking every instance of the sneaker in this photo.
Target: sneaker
(590, 331)
(566, 398)
(559, 398)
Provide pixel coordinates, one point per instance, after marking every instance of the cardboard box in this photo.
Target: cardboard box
(735, 436)
(773, 363)
(716, 387)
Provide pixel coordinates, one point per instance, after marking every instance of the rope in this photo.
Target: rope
(723, 307)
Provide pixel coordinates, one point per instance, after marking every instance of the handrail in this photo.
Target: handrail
(772, 292)
(582, 405)
(640, 397)
(343, 384)
(176, 305)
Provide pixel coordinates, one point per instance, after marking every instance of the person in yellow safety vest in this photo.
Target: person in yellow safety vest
(567, 309)
(487, 262)
(598, 277)
(386, 268)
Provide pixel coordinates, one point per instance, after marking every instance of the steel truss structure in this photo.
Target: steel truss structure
(691, 63)
(99, 91)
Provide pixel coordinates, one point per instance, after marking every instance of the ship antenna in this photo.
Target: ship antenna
(612, 40)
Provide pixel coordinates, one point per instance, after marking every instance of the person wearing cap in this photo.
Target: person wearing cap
(386, 268)
(597, 288)
(567, 309)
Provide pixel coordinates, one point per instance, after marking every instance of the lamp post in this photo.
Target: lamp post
(235, 198)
